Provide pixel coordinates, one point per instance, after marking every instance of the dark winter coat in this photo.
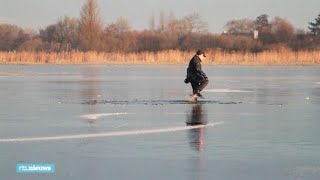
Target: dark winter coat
(194, 71)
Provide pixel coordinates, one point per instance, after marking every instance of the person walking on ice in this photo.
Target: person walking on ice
(195, 75)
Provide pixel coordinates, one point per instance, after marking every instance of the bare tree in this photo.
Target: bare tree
(193, 23)
(152, 23)
(172, 23)
(90, 27)
(11, 36)
(282, 30)
(239, 26)
(162, 21)
(120, 26)
(167, 21)
(47, 34)
(32, 44)
(62, 36)
(66, 33)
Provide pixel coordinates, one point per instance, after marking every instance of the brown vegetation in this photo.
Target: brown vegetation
(214, 57)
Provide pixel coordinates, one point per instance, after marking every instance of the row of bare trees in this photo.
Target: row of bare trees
(88, 33)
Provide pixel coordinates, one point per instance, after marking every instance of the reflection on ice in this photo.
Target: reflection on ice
(91, 88)
(195, 118)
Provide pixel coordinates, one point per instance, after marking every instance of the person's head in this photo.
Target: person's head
(201, 53)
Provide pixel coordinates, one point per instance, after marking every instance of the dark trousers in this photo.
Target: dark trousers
(199, 86)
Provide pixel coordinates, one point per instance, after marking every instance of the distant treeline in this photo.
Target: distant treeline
(88, 33)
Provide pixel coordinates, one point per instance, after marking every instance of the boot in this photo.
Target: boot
(197, 92)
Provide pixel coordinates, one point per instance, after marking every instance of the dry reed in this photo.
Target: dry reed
(214, 57)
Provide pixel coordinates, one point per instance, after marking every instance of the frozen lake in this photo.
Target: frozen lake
(134, 122)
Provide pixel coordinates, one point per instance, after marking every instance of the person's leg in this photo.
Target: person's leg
(200, 87)
(194, 86)
(203, 84)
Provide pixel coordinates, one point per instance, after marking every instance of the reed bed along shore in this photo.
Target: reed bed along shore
(175, 57)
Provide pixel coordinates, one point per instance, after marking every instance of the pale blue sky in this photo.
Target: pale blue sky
(37, 14)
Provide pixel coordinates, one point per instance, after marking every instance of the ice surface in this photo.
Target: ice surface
(134, 122)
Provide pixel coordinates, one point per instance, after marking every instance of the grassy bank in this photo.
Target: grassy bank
(214, 57)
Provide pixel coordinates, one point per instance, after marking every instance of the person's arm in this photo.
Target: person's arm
(199, 70)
